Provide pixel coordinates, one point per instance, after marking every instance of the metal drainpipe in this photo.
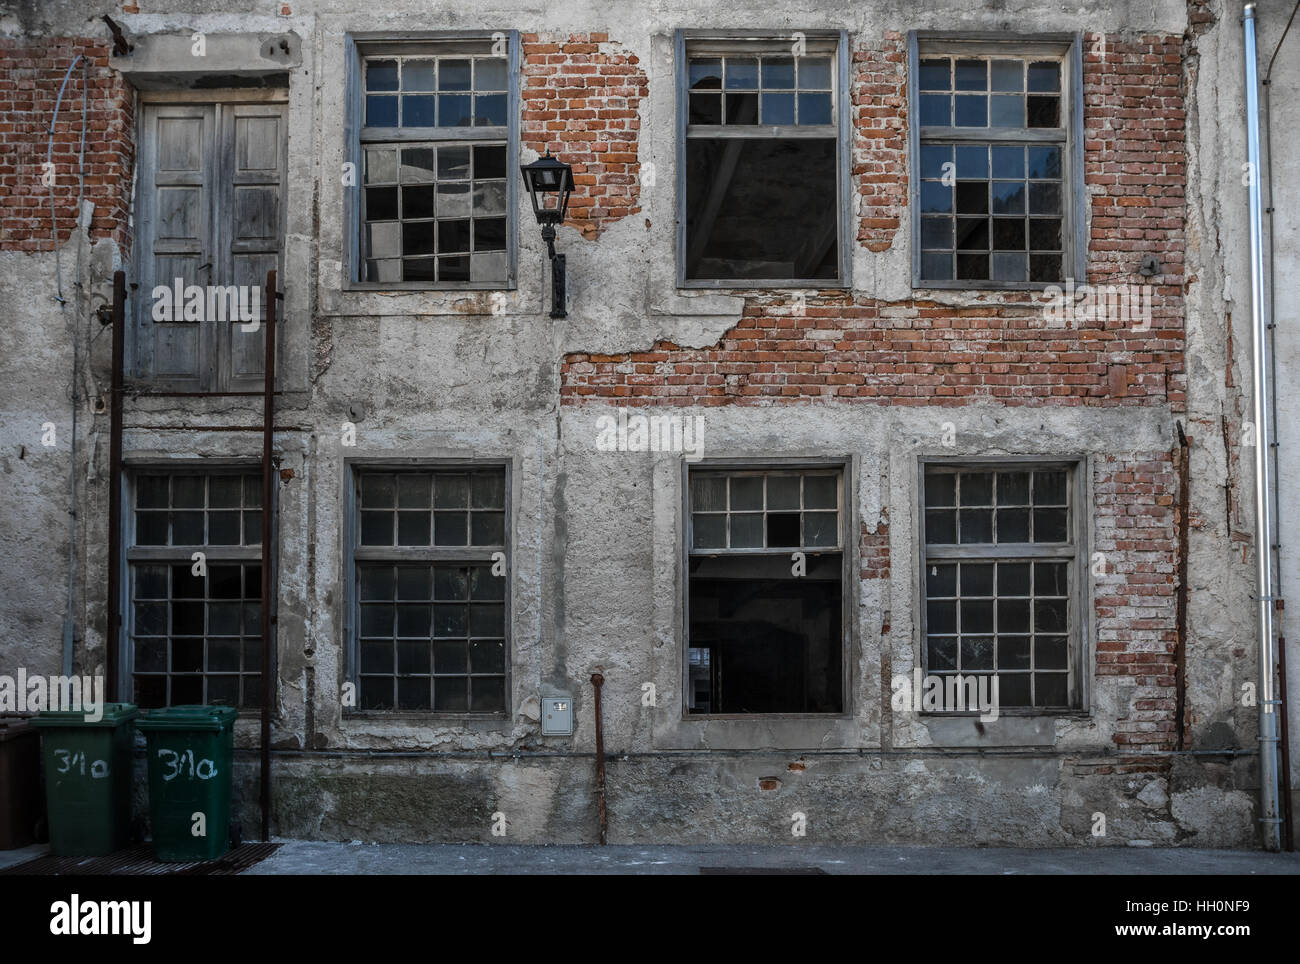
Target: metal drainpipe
(1268, 788)
(1284, 743)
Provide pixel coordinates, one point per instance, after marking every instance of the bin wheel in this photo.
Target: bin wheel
(236, 834)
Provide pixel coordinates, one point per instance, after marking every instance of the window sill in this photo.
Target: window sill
(795, 284)
(426, 718)
(920, 287)
(1011, 729)
(779, 733)
(381, 300)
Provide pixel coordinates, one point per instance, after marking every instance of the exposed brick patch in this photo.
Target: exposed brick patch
(834, 346)
(581, 96)
(914, 352)
(874, 549)
(880, 139)
(1135, 600)
(1200, 16)
(1135, 159)
(32, 72)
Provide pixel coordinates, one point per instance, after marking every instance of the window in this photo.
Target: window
(438, 132)
(1001, 562)
(765, 624)
(196, 637)
(430, 579)
(210, 216)
(762, 161)
(998, 146)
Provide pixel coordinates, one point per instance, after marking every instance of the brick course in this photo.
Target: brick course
(837, 345)
(33, 72)
(581, 95)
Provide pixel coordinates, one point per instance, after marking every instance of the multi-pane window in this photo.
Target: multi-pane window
(195, 623)
(1000, 563)
(430, 590)
(436, 131)
(761, 183)
(994, 188)
(766, 559)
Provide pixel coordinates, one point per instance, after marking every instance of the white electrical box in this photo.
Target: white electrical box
(557, 716)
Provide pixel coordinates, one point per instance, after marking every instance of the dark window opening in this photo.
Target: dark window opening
(761, 209)
(766, 625)
(760, 185)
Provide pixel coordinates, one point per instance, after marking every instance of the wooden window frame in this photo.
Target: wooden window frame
(1079, 630)
(363, 45)
(215, 376)
(1068, 47)
(353, 553)
(688, 43)
(847, 548)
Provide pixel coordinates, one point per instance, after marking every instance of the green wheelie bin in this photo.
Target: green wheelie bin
(190, 752)
(88, 778)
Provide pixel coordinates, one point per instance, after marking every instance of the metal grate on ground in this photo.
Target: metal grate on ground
(140, 860)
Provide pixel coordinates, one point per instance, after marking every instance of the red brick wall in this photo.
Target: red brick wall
(30, 75)
(1135, 598)
(880, 140)
(1134, 157)
(580, 99)
(838, 346)
(918, 352)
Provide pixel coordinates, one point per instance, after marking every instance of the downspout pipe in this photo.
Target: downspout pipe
(1268, 702)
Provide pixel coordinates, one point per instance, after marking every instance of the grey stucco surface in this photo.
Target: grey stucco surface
(596, 543)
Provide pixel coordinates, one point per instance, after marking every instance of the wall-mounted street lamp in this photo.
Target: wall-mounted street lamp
(550, 182)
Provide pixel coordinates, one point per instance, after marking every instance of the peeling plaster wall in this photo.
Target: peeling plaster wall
(595, 548)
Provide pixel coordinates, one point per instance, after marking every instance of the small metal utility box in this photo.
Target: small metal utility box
(557, 716)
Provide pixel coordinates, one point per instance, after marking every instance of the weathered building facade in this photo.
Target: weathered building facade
(828, 415)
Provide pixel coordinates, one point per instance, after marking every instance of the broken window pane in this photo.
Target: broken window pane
(761, 206)
(1012, 195)
(438, 217)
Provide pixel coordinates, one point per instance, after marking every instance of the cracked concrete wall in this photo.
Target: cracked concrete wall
(596, 543)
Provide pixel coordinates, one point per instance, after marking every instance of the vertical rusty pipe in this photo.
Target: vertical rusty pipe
(113, 636)
(1180, 611)
(268, 494)
(597, 681)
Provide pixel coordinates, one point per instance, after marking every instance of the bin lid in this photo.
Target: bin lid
(213, 718)
(114, 714)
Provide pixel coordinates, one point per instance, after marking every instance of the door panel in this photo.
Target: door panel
(176, 195)
(211, 212)
(251, 236)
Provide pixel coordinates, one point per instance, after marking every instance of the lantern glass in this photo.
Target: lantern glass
(549, 182)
